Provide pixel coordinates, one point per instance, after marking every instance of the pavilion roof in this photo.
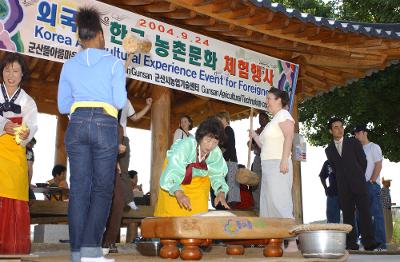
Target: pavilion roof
(330, 53)
(390, 30)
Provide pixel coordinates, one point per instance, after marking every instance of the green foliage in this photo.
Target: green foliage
(396, 231)
(374, 100)
(376, 11)
(314, 7)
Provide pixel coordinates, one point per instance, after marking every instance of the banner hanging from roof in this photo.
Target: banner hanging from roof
(179, 59)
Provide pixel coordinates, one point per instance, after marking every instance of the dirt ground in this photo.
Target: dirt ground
(129, 253)
(216, 253)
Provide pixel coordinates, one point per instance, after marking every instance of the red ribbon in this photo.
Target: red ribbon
(188, 174)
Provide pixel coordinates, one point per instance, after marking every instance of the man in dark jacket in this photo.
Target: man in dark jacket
(332, 199)
(349, 163)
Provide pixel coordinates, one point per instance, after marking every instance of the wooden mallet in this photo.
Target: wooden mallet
(132, 45)
(244, 175)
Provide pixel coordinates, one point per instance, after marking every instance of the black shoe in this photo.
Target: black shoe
(352, 247)
(113, 249)
(371, 247)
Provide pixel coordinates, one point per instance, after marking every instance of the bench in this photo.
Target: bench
(52, 212)
(56, 212)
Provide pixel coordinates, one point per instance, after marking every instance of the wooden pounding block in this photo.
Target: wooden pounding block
(216, 227)
(199, 230)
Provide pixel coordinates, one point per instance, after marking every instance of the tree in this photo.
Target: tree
(374, 100)
(314, 7)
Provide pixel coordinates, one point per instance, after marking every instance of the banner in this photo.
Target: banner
(179, 59)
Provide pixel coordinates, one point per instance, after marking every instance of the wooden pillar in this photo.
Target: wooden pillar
(174, 124)
(60, 153)
(296, 189)
(160, 126)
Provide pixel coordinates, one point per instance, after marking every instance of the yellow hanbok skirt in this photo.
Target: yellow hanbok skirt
(13, 169)
(197, 191)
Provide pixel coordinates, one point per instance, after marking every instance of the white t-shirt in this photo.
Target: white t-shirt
(272, 136)
(127, 111)
(179, 134)
(374, 154)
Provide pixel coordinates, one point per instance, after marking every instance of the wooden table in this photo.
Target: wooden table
(50, 212)
(58, 193)
(193, 232)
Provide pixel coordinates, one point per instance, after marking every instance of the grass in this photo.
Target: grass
(396, 231)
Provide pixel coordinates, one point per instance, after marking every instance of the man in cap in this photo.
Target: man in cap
(374, 166)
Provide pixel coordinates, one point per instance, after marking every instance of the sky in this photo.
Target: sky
(314, 200)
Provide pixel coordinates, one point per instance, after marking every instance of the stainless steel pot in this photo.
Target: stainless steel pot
(323, 243)
(148, 248)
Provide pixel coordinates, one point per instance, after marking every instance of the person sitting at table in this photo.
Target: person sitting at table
(191, 165)
(58, 184)
(59, 177)
(137, 189)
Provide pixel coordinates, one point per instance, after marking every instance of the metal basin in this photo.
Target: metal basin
(148, 248)
(323, 244)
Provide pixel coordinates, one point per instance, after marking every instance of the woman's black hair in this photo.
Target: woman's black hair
(189, 119)
(212, 127)
(283, 95)
(88, 22)
(11, 58)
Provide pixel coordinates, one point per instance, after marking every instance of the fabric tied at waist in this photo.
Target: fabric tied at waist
(189, 169)
(111, 110)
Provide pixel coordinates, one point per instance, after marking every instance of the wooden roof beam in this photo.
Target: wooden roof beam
(349, 72)
(220, 27)
(200, 21)
(266, 29)
(341, 62)
(180, 14)
(308, 31)
(238, 33)
(293, 27)
(256, 19)
(160, 7)
(277, 23)
(129, 2)
(324, 78)
(324, 73)
(238, 13)
(284, 55)
(183, 107)
(254, 37)
(220, 6)
(323, 35)
(317, 83)
(200, 2)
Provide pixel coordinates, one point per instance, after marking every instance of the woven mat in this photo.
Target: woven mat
(217, 253)
(314, 227)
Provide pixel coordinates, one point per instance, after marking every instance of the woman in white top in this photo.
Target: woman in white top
(185, 125)
(275, 142)
(17, 110)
